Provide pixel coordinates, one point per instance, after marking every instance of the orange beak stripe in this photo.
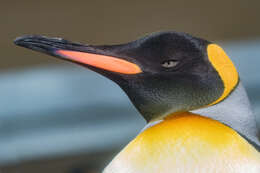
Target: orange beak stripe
(101, 61)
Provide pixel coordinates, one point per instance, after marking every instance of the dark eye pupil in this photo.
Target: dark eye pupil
(169, 63)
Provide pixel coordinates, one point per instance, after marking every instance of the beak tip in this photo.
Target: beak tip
(19, 40)
(23, 39)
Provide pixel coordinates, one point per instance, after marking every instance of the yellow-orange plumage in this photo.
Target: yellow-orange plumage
(187, 143)
(225, 68)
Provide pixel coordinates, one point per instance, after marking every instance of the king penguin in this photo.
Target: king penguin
(188, 90)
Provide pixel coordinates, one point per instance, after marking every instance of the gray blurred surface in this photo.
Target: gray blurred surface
(60, 110)
(51, 111)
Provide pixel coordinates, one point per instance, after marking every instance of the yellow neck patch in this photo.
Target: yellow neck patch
(225, 68)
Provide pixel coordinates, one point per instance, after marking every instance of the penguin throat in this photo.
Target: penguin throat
(234, 111)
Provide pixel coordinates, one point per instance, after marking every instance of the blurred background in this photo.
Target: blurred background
(59, 117)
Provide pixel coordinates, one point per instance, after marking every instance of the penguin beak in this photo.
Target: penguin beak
(95, 57)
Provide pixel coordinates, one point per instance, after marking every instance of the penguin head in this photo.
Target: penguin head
(162, 73)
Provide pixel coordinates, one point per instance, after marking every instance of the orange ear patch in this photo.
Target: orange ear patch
(101, 61)
(225, 68)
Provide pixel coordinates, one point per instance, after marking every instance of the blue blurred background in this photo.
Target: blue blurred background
(59, 117)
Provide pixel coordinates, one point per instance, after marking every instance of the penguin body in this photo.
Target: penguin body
(187, 143)
(188, 90)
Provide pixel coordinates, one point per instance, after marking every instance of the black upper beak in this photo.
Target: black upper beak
(50, 45)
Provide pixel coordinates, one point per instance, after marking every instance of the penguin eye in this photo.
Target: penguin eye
(170, 63)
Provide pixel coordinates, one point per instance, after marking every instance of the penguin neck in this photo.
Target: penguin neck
(235, 112)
